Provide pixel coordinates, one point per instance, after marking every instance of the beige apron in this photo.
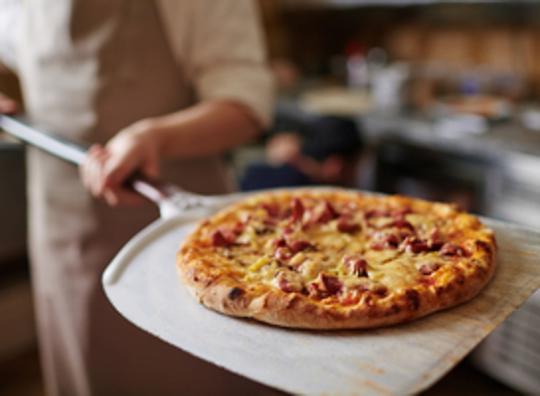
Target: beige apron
(90, 68)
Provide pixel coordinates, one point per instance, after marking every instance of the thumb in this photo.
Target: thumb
(118, 169)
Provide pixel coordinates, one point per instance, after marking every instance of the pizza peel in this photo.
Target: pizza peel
(142, 284)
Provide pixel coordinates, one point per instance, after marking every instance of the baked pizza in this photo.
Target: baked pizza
(335, 259)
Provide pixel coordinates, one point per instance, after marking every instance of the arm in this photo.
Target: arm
(204, 129)
(220, 48)
(207, 128)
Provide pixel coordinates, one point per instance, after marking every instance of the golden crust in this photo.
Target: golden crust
(225, 288)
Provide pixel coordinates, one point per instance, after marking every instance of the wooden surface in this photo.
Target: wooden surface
(398, 360)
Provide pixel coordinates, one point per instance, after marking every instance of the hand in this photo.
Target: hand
(283, 148)
(106, 169)
(7, 105)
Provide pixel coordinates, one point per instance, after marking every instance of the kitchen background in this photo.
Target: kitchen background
(436, 99)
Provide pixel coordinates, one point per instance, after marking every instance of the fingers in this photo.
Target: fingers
(104, 173)
(7, 105)
(106, 169)
(91, 169)
(93, 173)
(120, 169)
(117, 171)
(131, 153)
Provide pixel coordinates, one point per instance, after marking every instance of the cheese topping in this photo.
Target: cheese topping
(339, 247)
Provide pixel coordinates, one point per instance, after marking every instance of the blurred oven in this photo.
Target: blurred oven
(429, 173)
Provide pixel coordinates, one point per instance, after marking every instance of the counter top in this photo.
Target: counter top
(501, 138)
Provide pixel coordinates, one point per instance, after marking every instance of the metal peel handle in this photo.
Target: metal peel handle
(54, 145)
(155, 191)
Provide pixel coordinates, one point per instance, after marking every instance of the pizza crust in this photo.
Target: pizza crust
(296, 311)
(222, 291)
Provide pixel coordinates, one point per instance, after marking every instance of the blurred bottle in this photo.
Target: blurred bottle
(357, 66)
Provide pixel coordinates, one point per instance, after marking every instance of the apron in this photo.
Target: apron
(88, 69)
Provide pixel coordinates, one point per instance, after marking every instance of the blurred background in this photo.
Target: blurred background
(434, 99)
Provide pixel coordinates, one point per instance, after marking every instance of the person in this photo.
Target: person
(311, 150)
(190, 75)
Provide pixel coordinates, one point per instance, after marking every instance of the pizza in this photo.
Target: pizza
(336, 259)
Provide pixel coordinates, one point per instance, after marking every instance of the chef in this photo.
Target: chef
(192, 71)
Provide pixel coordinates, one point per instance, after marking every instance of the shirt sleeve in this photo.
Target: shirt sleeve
(220, 46)
(10, 13)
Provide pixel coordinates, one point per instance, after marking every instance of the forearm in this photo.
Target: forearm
(204, 129)
(208, 128)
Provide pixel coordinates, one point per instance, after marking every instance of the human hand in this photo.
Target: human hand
(106, 169)
(283, 148)
(7, 105)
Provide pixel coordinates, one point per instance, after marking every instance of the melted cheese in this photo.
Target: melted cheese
(395, 268)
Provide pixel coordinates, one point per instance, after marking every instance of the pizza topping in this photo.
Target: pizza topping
(401, 212)
(331, 283)
(356, 265)
(283, 254)
(380, 290)
(297, 210)
(375, 213)
(286, 249)
(288, 281)
(429, 268)
(348, 209)
(346, 224)
(299, 245)
(223, 238)
(238, 228)
(325, 213)
(310, 268)
(435, 240)
(395, 213)
(401, 223)
(257, 265)
(449, 249)
(297, 259)
(272, 209)
(415, 245)
(280, 242)
(350, 298)
(325, 285)
(288, 230)
(262, 230)
(358, 284)
(384, 240)
(314, 291)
